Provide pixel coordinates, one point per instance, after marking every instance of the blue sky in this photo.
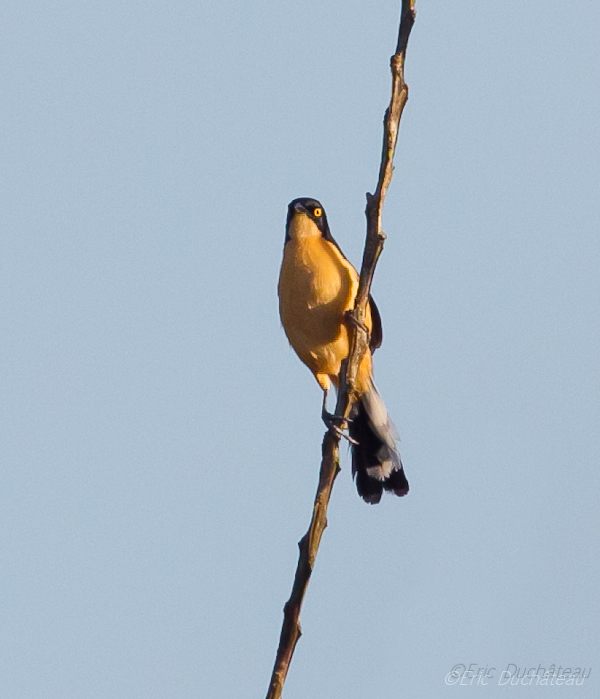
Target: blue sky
(161, 441)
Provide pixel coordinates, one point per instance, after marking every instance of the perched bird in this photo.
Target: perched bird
(317, 286)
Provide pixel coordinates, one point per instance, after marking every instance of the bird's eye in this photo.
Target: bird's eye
(318, 212)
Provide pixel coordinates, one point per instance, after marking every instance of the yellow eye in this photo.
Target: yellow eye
(318, 212)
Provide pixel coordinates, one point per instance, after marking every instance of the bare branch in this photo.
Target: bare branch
(309, 544)
(375, 236)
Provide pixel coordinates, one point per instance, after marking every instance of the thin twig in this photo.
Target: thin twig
(375, 236)
(330, 466)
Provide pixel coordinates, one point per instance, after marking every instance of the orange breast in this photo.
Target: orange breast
(317, 285)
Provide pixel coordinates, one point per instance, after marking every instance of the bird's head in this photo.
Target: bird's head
(306, 218)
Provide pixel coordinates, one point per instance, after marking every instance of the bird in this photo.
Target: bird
(317, 287)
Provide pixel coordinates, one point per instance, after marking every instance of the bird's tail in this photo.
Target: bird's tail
(376, 462)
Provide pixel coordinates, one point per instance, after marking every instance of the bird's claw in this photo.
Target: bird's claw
(336, 425)
(351, 318)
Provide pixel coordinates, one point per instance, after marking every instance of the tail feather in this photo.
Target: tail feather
(376, 463)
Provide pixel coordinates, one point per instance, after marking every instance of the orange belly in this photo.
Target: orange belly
(317, 285)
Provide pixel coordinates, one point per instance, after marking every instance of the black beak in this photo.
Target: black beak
(299, 208)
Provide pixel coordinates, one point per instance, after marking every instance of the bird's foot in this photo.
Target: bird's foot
(351, 318)
(337, 425)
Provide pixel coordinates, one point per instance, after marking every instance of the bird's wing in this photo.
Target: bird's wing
(377, 330)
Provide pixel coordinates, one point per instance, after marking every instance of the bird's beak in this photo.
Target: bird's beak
(299, 208)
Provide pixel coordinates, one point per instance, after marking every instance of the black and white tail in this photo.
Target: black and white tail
(376, 463)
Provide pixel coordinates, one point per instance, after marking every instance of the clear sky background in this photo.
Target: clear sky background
(160, 440)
